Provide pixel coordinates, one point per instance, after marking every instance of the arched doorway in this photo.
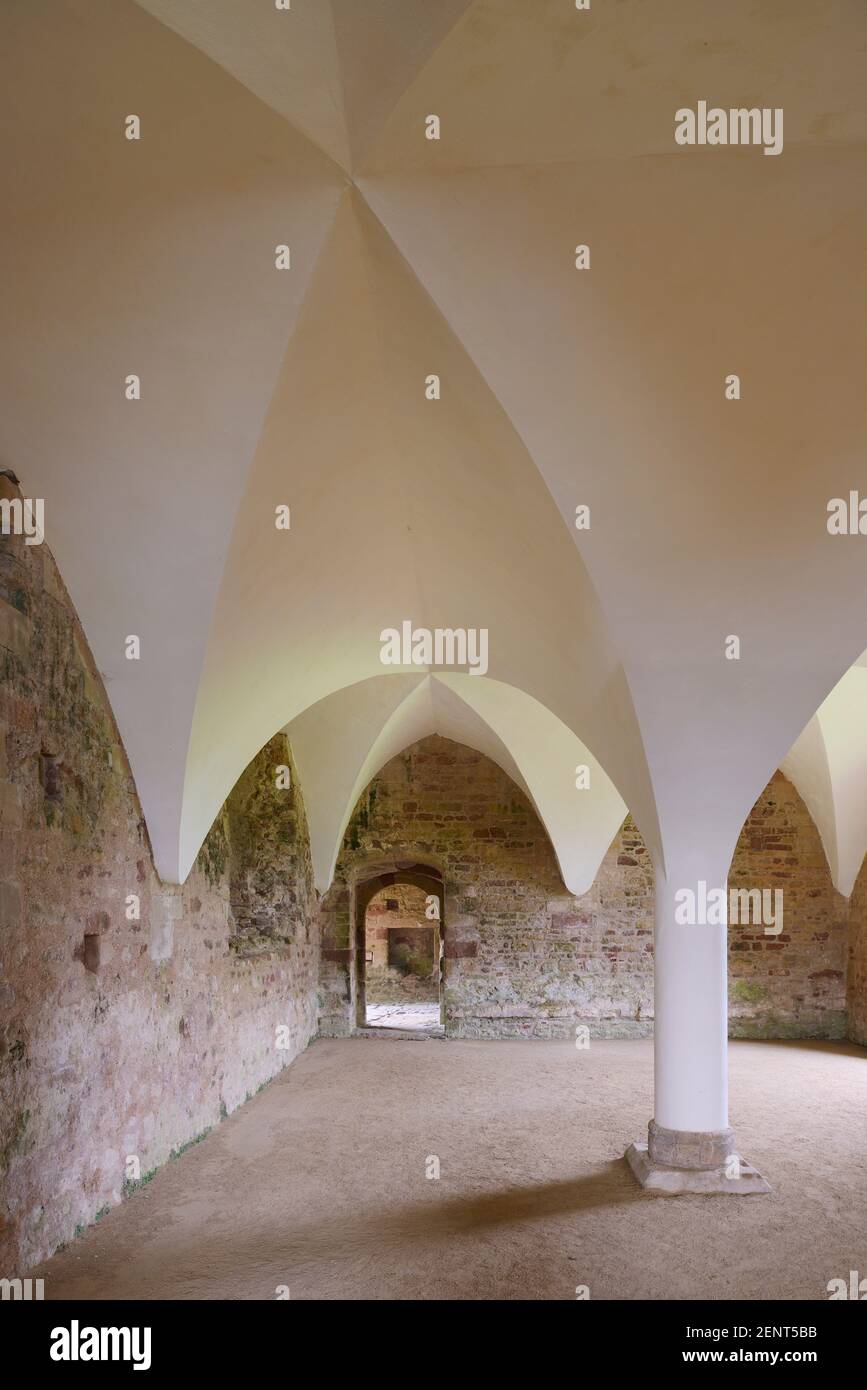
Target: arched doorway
(399, 934)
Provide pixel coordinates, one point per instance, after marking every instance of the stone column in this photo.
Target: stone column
(691, 1146)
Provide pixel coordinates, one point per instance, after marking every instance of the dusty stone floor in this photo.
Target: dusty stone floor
(426, 1016)
(319, 1183)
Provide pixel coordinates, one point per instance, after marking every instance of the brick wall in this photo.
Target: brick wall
(857, 962)
(337, 976)
(790, 985)
(122, 1035)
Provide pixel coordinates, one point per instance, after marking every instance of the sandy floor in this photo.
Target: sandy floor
(319, 1183)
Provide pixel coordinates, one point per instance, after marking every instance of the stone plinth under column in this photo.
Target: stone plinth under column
(677, 1160)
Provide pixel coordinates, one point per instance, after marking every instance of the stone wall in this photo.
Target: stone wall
(857, 963)
(133, 1016)
(793, 984)
(337, 972)
(264, 826)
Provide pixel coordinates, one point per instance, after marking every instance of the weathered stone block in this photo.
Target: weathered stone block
(680, 1148)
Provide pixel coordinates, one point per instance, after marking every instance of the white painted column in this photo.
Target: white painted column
(691, 1011)
(690, 1146)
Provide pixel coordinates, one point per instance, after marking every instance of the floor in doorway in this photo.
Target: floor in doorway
(404, 1016)
(322, 1183)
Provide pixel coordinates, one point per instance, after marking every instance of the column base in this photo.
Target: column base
(689, 1148)
(659, 1177)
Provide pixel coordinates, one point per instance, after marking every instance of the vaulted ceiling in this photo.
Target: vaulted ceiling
(559, 387)
(343, 741)
(828, 765)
